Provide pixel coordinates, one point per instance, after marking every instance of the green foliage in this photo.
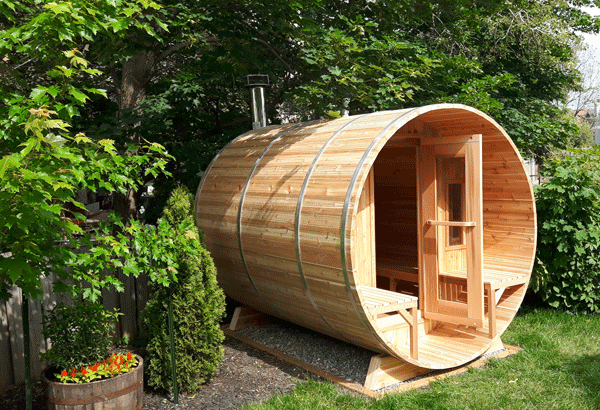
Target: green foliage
(583, 138)
(375, 70)
(537, 127)
(198, 306)
(38, 187)
(178, 207)
(43, 164)
(512, 60)
(567, 270)
(80, 334)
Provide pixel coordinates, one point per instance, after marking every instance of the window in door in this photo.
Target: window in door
(455, 213)
(451, 172)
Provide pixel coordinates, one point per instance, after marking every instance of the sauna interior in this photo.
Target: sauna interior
(394, 198)
(442, 222)
(409, 232)
(396, 225)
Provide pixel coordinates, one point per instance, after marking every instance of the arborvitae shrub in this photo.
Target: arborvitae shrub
(566, 274)
(198, 306)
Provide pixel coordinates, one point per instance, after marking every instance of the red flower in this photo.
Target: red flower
(118, 367)
(122, 359)
(83, 371)
(73, 373)
(64, 373)
(95, 367)
(129, 356)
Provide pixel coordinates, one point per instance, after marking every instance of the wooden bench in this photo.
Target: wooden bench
(396, 271)
(493, 280)
(377, 301)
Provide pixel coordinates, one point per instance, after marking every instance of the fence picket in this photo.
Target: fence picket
(6, 366)
(12, 362)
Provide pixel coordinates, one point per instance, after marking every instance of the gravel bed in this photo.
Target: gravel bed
(334, 356)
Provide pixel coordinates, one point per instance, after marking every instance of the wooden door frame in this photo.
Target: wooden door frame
(432, 307)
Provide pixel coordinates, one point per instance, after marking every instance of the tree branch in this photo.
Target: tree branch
(276, 54)
(172, 50)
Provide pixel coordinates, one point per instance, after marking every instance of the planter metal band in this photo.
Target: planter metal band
(98, 398)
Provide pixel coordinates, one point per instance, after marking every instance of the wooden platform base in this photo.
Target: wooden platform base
(385, 372)
(245, 316)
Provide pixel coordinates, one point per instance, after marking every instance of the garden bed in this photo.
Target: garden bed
(247, 375)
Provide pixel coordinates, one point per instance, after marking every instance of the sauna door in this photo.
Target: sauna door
(451, 240)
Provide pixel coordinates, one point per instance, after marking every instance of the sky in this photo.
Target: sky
(593, 40)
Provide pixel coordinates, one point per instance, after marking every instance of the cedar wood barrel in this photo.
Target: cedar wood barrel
(408, 232)
(123, 392)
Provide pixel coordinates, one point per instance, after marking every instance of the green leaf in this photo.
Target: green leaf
(37, 93)
(29, 145)
(57, 8)
(53, 90)
(55, 139)
(7, 162)
(335, 71)
(15, 267)
(78, 95)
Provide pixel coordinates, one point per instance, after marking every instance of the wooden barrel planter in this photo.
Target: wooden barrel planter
(409, 232)
(124, 392)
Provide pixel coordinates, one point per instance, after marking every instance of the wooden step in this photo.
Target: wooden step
(378, 301)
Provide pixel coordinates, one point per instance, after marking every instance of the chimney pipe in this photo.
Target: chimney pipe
(257, 84)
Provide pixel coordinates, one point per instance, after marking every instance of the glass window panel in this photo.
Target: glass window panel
(455, 213)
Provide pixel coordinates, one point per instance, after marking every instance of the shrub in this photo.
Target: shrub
(198, 306)
(81, 334)
(567, 270)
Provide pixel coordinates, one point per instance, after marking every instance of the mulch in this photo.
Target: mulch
(246, 376)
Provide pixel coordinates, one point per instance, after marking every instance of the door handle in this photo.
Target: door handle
(450, 223)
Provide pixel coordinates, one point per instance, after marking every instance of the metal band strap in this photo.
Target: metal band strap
(347, 204)
(241, 206)
(298, 217)
(98, 398)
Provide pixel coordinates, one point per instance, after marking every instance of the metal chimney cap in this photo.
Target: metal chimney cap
(257, 80)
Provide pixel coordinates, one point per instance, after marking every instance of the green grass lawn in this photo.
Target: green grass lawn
(559, 368)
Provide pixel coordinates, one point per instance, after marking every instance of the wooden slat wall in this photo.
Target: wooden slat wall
(268, 220)
(508, 207)
(219, 204)
(364, 233)
(396, 204)
(12, 364)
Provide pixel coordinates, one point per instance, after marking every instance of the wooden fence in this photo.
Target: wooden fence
(131, 302)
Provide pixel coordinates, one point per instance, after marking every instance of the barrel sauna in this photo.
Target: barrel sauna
(409, 232)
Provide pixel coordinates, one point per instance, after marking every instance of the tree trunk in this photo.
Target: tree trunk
(136, 75)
